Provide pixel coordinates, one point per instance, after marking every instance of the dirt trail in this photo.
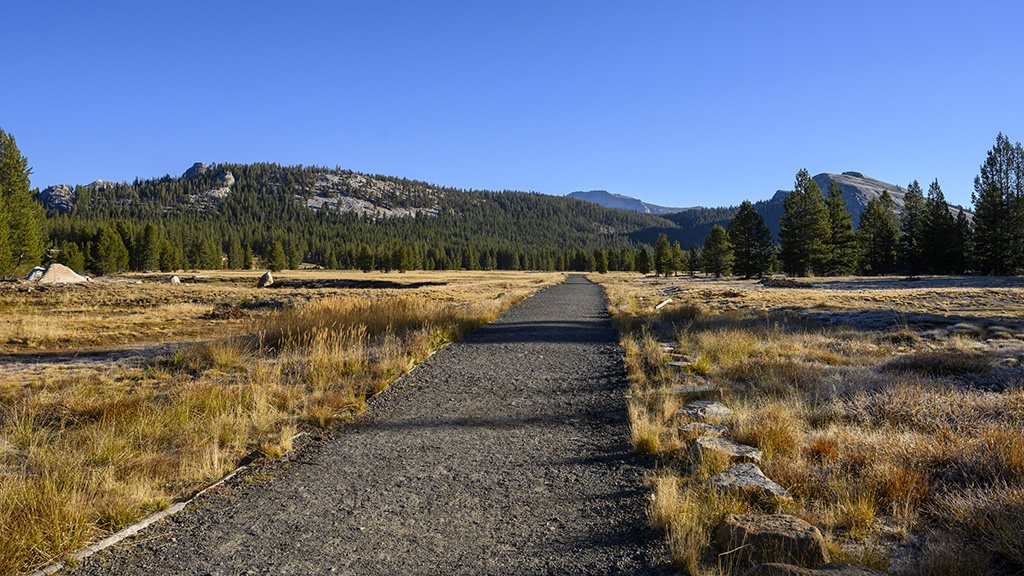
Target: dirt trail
(504, 453)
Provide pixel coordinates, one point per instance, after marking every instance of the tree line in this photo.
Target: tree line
(817, 236)
(167, 224)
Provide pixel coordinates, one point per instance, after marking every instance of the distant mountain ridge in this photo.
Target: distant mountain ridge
(622, 202)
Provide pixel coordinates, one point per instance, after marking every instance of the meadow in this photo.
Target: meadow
(123, 395)
(892, 410)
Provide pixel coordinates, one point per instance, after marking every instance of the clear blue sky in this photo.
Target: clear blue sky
(678, 103)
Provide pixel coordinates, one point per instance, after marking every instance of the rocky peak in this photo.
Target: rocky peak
(101, 184)
(59, 198)
(226, 179)
(197, 169)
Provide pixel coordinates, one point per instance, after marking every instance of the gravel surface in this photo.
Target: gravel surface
(504, 453)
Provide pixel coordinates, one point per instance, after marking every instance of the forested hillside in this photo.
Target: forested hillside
(220, 214)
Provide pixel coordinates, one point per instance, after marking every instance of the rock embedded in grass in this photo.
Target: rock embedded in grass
(706, 446)
(699, 390)
(704, 429)
(704, 410)
(749, 478)
(265, 280)
(761, 538)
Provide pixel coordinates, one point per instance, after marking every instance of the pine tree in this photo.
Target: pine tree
(21, 217)
(912, 228)
(643, 261)
(152, 242)
(963, 244)
(842, 242)
(752, 242)
(805, 228)
(938, 233)
(110, 255)
(236, 256)
(601, 261)
(693, 260)
(662, 256)
(999, 210)
(678, 258)
(168, 257)
(717, 253)
(878, 235)
(276, 259)
(364, 260)
(71, 256)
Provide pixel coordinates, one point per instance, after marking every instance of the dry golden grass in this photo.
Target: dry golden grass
(903, 421)
(90, 445)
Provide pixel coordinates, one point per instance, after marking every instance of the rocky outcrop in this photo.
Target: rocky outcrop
(710, 446)
(197, 169)
(609, 200)
(61, 274)
(265, 280)
(761, 538)
(226, 179)
(59, 198)
(101, 185)
(749, 478)
(834, 569)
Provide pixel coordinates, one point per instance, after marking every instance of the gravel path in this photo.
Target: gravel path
(504, 453)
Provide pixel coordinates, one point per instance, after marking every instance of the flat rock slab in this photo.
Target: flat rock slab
(704, 429)
(833, 569)
(749, 478)
(704, 410)
(760, 538)
(679, 365)
(698, 390)
(505, 452)
(706, 446)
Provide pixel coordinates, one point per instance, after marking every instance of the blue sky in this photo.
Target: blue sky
(678, 103)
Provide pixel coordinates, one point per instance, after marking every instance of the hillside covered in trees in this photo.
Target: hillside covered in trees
(226, 213)
(238, 216)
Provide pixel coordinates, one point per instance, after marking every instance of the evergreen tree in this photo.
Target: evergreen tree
(805, 228)
(678, 258)
(693, 260)
(71, 256)
(962, 245)
(999, 210)
(235, 255)
(752, 242)
(662, 256)
(912, 228)
(276, 259)
(627, 260)
(21, 218)
(878, 235)
(938, 233)
(168, 257)
(400, 258)
(365, 258)
(717, 253)
(110, 255)
(842, 241)
(601, 261)
(247, 258)
(643, 261)
(152, 243)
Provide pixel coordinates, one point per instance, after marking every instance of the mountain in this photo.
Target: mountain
(326, 216)
(858, 190)
(609, 200)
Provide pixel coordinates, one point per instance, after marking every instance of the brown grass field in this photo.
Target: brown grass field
(120, 396)
(892, 410)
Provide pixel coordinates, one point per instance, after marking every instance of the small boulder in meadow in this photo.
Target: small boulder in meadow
(704, 411)
(265, 280)
(710, 446)
(749, 478)
(761, 538)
